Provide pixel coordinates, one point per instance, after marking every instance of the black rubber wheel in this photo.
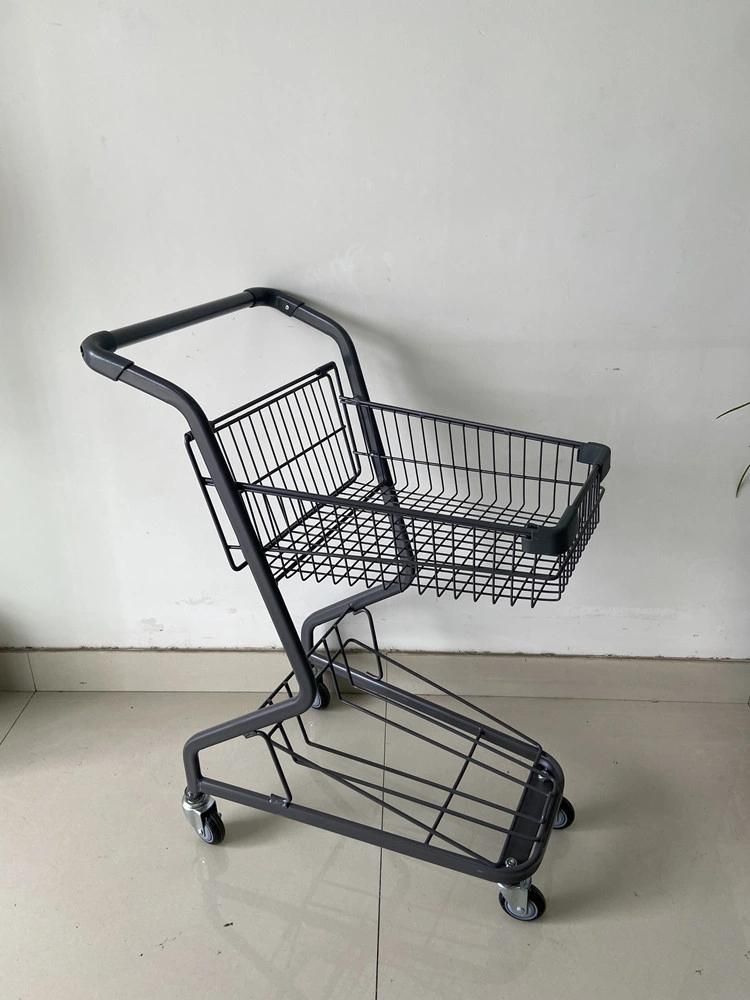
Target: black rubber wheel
(322, 698)
(212, 831)
(566, 815)
(535, 905)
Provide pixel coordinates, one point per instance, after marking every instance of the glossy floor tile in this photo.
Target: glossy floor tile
(106, 892)
(648, 894)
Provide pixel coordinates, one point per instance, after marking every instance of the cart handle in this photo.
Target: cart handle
(99, 350)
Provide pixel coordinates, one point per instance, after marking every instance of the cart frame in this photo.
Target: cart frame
(541, 803)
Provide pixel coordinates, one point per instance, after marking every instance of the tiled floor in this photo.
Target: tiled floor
(106, 893)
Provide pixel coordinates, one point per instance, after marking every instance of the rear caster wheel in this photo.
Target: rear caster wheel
(535, 905)
(566, 815)
(204, 817)
(322, 697)
(212, 829)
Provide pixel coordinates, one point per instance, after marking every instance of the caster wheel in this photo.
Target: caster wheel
(535, 905)
(322, 698)
(566, 815)
(212, 828)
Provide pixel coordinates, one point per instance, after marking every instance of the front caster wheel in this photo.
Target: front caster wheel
(212, 828)
(203, 815)
(566, 815)
(535, 905)
(322, 697)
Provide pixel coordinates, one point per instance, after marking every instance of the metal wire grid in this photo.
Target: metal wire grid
(463, 496)
(470, 815)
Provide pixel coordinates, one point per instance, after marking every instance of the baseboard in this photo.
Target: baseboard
(472, 674)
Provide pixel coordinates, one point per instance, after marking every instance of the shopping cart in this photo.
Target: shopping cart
(313, 482)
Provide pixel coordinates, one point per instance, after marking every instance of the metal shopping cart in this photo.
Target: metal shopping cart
(315, 482)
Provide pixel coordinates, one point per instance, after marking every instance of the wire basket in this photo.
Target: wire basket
(353, 491)
(481, 793)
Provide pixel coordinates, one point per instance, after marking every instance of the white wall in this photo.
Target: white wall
(528, 213)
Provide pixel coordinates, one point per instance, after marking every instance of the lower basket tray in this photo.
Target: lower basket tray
(446, 781)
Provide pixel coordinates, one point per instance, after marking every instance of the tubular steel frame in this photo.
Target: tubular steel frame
(437, 509)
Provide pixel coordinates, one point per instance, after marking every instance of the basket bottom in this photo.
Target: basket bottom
(428, 774)
(365, 546)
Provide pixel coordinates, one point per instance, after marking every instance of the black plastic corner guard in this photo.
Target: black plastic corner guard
(554, 540)
(593, 453)
(98, 351)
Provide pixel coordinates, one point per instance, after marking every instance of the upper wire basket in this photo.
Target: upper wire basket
(342, 489)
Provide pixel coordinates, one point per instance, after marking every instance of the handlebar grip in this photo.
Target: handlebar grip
(99, 349)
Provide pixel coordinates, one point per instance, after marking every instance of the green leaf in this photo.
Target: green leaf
(742, 479)
(732, 410)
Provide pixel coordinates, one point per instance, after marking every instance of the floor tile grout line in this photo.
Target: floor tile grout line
(380, 907)
(31, 671)
(380, 859)
(463, 694)
(13, 723)
(554, 697)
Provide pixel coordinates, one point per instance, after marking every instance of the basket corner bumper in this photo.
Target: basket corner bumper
(554, 539)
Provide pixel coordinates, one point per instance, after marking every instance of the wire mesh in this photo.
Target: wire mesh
(469, 789)
(352, 491)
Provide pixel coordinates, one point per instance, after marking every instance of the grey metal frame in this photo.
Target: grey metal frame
(535, 815)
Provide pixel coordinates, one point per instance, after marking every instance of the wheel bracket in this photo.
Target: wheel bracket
(196, 809)
(516, 896)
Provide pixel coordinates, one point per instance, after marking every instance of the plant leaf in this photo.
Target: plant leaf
(733, 408)
(742, 479)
